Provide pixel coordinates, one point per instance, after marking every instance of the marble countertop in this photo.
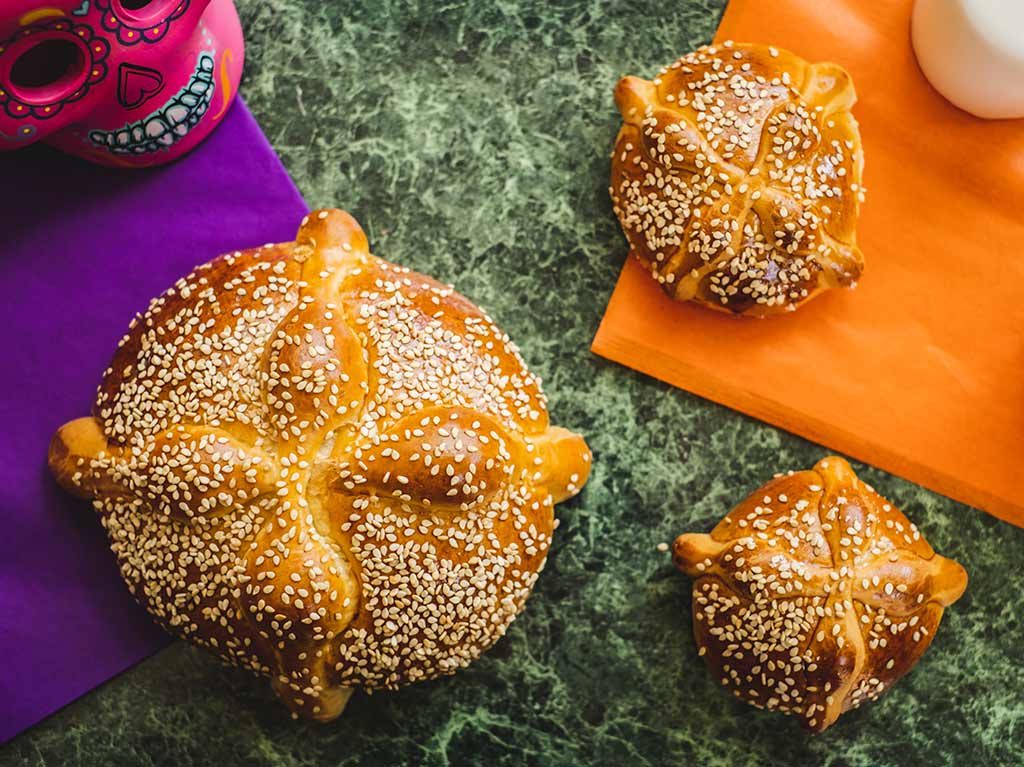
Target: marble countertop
(471, 139)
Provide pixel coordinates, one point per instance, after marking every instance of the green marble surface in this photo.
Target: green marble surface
(472, 141)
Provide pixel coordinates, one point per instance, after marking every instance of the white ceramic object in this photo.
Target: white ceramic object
(972, 51)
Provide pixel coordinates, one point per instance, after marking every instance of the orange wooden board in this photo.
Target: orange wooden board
(920, 370)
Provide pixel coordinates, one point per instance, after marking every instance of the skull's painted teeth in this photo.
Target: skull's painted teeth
(167, 125)
(156, 127)
(158, 131)
(176, 114)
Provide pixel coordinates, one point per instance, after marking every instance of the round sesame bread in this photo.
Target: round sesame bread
(815, 594)
(323, 467)
(736, 177)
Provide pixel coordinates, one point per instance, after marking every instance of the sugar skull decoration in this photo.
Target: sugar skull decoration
(323, 467)
(129, 83)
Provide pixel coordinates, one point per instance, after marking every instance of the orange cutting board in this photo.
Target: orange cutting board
(920, 370)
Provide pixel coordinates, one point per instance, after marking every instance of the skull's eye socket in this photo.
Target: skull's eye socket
(47, 70)
(144, 12)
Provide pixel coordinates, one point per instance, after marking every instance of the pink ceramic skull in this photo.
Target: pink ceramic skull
(119, 82)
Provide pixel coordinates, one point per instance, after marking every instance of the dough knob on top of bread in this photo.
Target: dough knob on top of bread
(815, 594)
(323, 467)
(736, 178)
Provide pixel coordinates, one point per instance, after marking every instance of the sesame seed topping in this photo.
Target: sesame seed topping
(818, 608)
(732, 187)
(323, 467)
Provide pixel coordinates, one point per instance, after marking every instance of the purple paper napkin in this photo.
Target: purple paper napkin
(82, 249)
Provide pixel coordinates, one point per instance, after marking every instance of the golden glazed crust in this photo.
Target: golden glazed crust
(323, 467)
(815, 594)
(737, 178)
